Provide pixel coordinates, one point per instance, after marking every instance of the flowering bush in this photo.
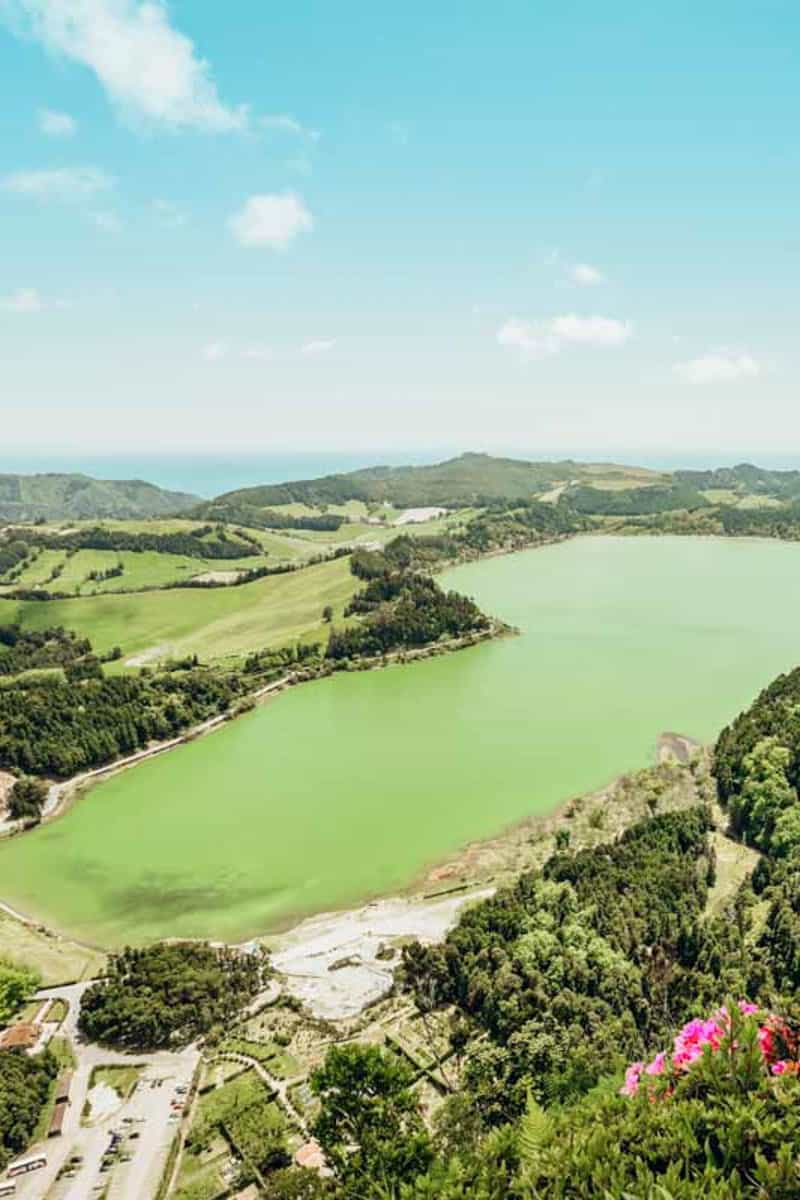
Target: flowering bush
(777, 1044)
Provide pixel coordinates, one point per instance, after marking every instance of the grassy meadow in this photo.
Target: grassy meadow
(209, 622)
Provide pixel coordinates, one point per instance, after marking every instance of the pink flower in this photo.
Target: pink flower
(631, 1085)
(746, 1008)
(656, 1067)
(779, 1068)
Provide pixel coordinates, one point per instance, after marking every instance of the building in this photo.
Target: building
(57, 1119)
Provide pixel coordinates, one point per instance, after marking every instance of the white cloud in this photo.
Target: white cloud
(56, 124)
(258, 353)
(591, 331)
(148, 69)
(322, 346)
(271, 220)
(109, 222)
(215, 351)
(586, 275)
(720, 366)
(61, 183)
(25, 300)
(288, 124)
(540, 339)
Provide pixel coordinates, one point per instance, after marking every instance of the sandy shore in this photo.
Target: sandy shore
(338, 963)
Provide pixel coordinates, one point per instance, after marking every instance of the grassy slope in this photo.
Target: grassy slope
(56, 959)
(210, 622)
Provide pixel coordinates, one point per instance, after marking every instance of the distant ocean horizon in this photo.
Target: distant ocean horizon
(208, 474)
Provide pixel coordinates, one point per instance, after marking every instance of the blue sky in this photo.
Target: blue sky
(244, 225)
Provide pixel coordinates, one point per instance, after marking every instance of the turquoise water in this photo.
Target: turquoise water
(350, 786)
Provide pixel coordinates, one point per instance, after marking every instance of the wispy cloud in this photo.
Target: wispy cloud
(57, 124)
(586, 275)
(719, 366)
(271, 221)
(168, 214)
(60, 183)
(540, 339)
(108, 222)
(284, 123)
(149, 69)
(314, 348)
(258, 353)
(215, 351)
(25, 300)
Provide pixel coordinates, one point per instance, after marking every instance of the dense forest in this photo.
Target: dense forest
(58, 726)
(635, 501)
(757, 767)
(26, 649)
(25, 1084)
(168, 995)
(401, 608)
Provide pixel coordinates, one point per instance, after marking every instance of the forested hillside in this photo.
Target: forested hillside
(54, 497)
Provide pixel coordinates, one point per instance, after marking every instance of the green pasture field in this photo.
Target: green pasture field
(209, 622)
(56, 959)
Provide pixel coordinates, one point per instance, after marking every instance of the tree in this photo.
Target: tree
(17, 983)
(327, 613)
(27, 799)
(370, 1128)
(168, 994)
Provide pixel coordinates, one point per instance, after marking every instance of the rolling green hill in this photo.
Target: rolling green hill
(467, 480)
(55, 497)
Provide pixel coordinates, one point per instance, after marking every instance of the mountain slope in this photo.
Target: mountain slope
(56, 497)
(466, 480)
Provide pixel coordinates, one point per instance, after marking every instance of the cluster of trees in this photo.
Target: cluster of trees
(12, 553)
(258, 517)
(206, 541)
(52, 726)
(637, 501)
(26, 799)
(757, 768)
(418, 613)
(17, 983)
(167, 995)
(25, 1084)
(25, 649)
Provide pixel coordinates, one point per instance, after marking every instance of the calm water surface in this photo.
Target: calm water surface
(348, 787)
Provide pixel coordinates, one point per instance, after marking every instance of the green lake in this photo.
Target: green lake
(348, 787)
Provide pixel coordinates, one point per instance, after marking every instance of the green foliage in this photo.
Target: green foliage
(53, 726)
(419, 613)
(55, 496)
(17, 983)
(757, 767)
(167, 995)
(369, 1128)
(25, 1083)
(728, 1130)
(26, 649)
(27, 799)
(642, 501)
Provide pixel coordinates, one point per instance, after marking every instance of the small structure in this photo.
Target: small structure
(63, 1086)
(57, 1119)
(22, 1036)
(310, 1156)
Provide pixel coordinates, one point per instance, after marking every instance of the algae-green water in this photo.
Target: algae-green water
(348, 787)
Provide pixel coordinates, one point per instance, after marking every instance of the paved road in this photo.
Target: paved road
(146, 1113)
